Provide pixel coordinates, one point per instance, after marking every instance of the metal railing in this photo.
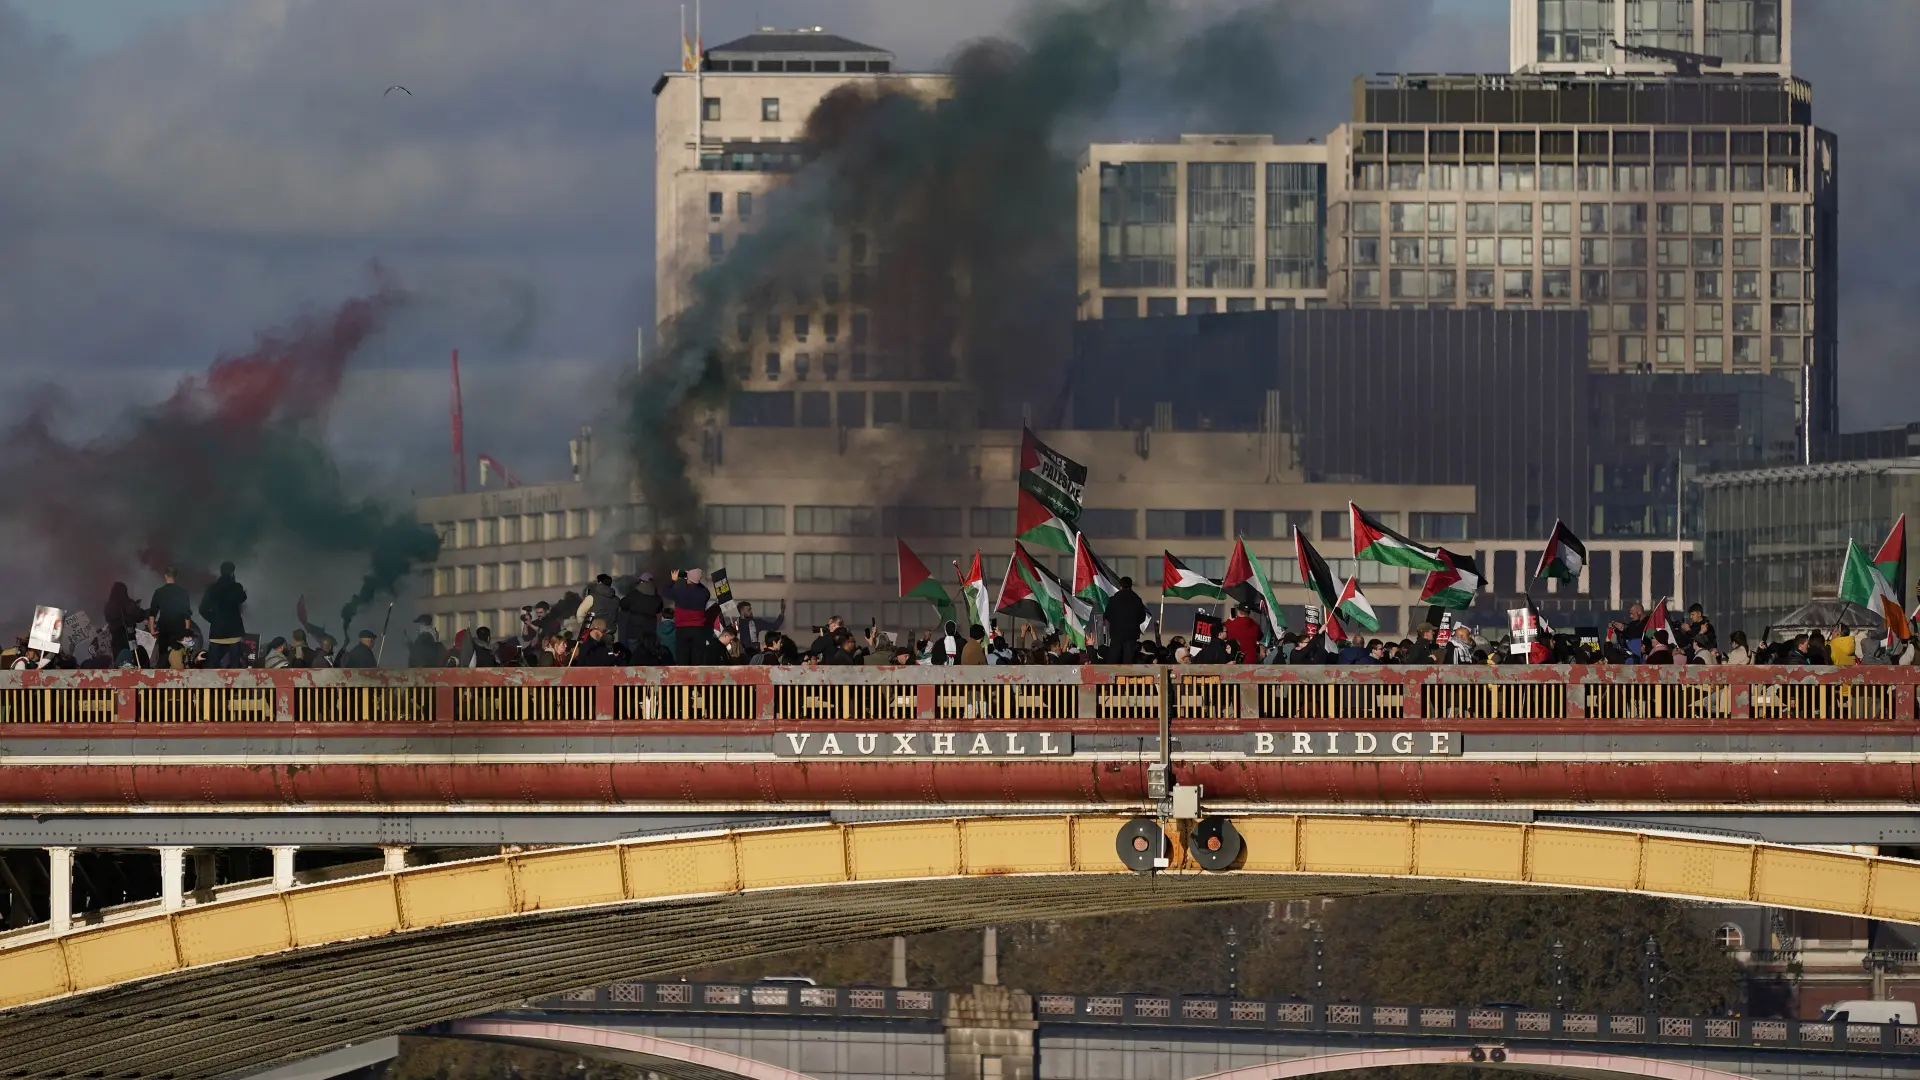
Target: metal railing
(761, 999)
(1628, 695)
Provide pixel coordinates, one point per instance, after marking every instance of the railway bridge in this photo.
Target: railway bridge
(208, 871)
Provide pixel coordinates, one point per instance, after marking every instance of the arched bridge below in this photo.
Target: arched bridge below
(281, 970)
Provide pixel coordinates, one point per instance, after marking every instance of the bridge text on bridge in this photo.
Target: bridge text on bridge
(871, 744)
(1353, 744)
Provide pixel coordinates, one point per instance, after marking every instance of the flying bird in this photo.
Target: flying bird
(398, 87)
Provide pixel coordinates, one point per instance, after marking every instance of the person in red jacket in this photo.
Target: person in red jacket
(1244, 633)
(691, 626)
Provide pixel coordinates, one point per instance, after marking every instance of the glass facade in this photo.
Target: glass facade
(1662, 24)
(1575, 30)
(1775, 539)
(1221, 224)
(1743, 31)
(1138, 202)
(1296, 226)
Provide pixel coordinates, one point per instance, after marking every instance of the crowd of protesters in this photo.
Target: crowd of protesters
(680, 622)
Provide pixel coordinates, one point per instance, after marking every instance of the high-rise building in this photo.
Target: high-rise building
(1748, 37)
(725, 139)
(1203, 224)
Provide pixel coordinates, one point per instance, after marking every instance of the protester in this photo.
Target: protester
(220, 605)
(362, 654)
(690, 634)
(1125, 615)
(637, 621)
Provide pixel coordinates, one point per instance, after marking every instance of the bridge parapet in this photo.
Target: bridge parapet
(1016, 694)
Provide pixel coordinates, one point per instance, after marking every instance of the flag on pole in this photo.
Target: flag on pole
(1238, 583)
(1454, 586)
(1377, 543)
(1276, 622)
(1861, 583)
(1177, 580)
(916, 580)
(1354, 607)
(973, 590)
(1891, 560)
(1031, 591)
(1047, 513)
(1658, 619)
(1092, 581)
(1318, 579)
(1564, 555)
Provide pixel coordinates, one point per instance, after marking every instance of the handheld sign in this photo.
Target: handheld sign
(1205, 628)
(723, 593)
(1524, 626)
(48, 630)
(1311, 617)
(1445, 637)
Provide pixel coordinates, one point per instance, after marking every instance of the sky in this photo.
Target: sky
(184, 173)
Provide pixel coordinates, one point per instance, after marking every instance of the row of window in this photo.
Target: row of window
(1128, 307)
(1600, 286)
(1708, 353)
(1636, 145)
(1554, 251)
(1595, 218)
(533, 528)
(1096, 522)
(1376, 176)
(772, 328)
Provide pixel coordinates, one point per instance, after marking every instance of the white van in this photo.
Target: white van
(1870, 1012)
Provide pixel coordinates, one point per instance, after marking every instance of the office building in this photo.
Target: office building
(1569, 37)
(725, 139)
(1201, 224)
(1776, 538)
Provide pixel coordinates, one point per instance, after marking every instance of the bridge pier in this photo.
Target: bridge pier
(283, 867)
(173, 874)
(990, 1034)
(60, 889)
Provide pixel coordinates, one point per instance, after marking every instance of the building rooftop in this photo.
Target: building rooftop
(803, 42)
(1825, 471)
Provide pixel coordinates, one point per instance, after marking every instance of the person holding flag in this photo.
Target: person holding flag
(1374, 542)
(1564, 556)
(917, 581)
(1247, 583)
(1862, 582)
(1031, 591)
(1318, 578)
(973, 591)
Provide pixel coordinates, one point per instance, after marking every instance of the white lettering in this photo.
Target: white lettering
(866, 742)
(1365, 742)
(1013, 743)
(1403, 742)
(943, 743)
(1263, 743)
(903, 742)
(1333, 742)
(831, 745)
(1439, 741)
(980, 745)
(799, 741)
(1046, 743)
(1303, 742)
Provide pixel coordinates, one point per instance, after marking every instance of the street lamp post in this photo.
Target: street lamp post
(1319, 968)
(1559, 977)
(1652, 955)
(1233, 960)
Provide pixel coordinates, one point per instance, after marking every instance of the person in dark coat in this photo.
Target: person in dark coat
(361, 655)
(638, 613)
(220, 605)
(1125, 614)
(173, 607)
(482, 654)
(425, 650)
(123, 616)
(594, 650)
(690, 633)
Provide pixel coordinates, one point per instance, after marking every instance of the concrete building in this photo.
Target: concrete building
(1563, 37)
(725, 138)
(1202, 224)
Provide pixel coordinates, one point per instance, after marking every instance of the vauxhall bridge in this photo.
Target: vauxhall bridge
(210, 871)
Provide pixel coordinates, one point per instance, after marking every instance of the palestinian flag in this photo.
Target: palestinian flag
(1238, 583)
(973, 590)
(1177, 580)
(1276, 622)
(1318, 578)
(1455, 585)
(1353, 606)
(1377, 543)
(1658, 619)
(1032, 592)
(1092, 581)
(1047, 513)
(1862, 583)
(1564, 555)
(1892, 558)
(917, 580)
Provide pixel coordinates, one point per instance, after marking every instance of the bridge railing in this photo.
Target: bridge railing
(1018, 695)
(1470, 1022)
(759, 999)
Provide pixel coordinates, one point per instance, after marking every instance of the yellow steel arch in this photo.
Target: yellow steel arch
(247, 981)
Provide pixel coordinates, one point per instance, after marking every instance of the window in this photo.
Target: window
(837, 566)
(1333, 524)
(1481, 217)
(1786, 253)
(1630, 219)
(1706, 285)
(1480, 250)
(773, 365)
(1556, 217)
(1669, 177)
(1670, 353)
(1404, 250)
(1707, 252)
(852, 406)
(1516, 251)
(1788, 351)
(1138, 201)
(1786, 319)
(1746, 353)
(1442, 251)
(1786, 285)
(1407, 285)
(1366, 284)
(1708, 354)
(1670, 317)
(1670, 218)
(751, 565)
(832, 521)
(716, 244)
(1729, 938)
(710, 108)
(1747, 252)
(1442, 284)
(991, 521)
(1708, 218)
(1710, 317)
(1556, 178)
(1479, 284)
(770, 109)
(1517, 284)
(1222, 216)
(1365, 218)
(1591, 177)
(1407, 217)
(1173, 524)
(1595, 253)
(1746, 284)
(746, 520)
(1670, 284)
(1296, 226)
(1593, 218)
(1630, 251)
(920, 520)
(716, 204)
(1366, 251)
(1442, 176)
(1406, 177)
(1672, 252)
(1556, 284)
(1709, 178)
(816, 409)
(1107, 524)
(1787, 219)
(1443, 217)
(1519, 177)
(1424, 525)
(1556, 251)
(1516, 217)
(1119, 307)
(1270, 524)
